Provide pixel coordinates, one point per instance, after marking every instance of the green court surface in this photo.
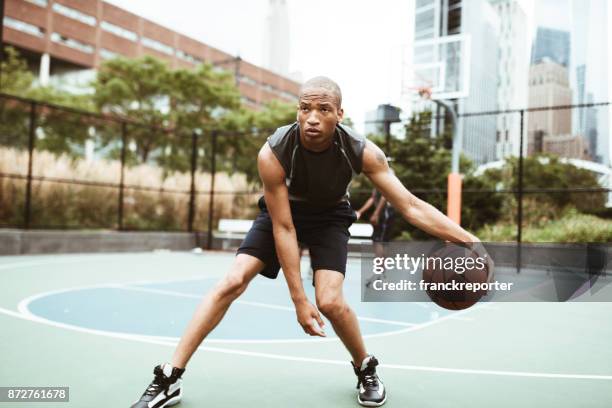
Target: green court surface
(99, 323)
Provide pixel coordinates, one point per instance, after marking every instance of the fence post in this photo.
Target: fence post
(192, 190)
(122, 176)
(31, 141)
(519, 234)
(211, 203)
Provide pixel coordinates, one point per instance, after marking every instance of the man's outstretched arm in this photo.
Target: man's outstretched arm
(277, 201)
(414, 210)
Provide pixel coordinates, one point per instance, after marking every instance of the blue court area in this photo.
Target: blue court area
(101, 322)
(120, 308)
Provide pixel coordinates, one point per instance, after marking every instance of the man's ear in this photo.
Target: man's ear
(340, 114)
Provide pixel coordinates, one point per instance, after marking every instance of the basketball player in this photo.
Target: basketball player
(382, 220)
(306, 168)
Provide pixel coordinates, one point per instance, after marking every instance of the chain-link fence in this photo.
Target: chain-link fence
(63, 169)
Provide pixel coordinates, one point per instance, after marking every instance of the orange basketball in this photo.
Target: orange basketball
(455, 272)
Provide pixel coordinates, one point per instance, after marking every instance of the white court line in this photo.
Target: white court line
(258, 304)
(25, 302)
(284, 357)
(23, 307)
(463, 319)
(151, 340)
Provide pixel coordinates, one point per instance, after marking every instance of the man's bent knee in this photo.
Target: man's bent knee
(332, 306)
(245, 268)
(233, 286)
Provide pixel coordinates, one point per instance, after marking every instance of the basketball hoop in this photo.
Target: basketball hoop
(424, 92)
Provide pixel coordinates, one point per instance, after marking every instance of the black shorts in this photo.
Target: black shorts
(382, 231)
(323, 231)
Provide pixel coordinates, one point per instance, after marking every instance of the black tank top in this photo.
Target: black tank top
(320, 179)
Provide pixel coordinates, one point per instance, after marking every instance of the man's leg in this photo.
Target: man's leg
(214, 305)
(331, 302)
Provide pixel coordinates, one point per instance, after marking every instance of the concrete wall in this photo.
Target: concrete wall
(14, 242)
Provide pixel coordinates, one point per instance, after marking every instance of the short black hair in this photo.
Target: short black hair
(325, 83)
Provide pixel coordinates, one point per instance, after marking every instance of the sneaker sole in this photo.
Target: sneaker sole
(172, 401)
(371, 403)
(169, 403)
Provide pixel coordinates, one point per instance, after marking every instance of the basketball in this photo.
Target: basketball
(453, 274)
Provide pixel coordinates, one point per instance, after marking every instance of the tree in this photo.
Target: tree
(550, 176)
(247, 130)
(422, 163)
(16, 77)
(200, 100)
(147, 91)
(347, 121)
(59, 130)
(137, 89)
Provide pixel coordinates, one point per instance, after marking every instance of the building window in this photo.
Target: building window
(24, 27)
(74, 14)
(424, 20)
(157, 46)
(119, 31)
(188, 57)
(247, 80)
(288, 96)
(106, 54)
(41, 3)
(249, 101)
(428, 33)
(424, 3)
(69, 42)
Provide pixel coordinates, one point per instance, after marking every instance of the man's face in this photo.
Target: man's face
(318, 114)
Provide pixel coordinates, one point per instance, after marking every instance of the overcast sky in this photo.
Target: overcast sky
(356, 43)
(353, 42)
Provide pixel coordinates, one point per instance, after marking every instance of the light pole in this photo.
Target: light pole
(236, 60)
(453, 202)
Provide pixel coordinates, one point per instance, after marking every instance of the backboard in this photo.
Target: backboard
(442, 64)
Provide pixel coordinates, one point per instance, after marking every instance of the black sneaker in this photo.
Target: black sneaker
(371, 389)
(165, 390)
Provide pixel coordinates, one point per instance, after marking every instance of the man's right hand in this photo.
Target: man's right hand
(309, 318)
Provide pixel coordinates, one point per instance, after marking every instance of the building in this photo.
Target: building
(378, 121)
(71, 36)
(589, 70)
(569, 146)
(552, 44)
(548, 86)
(550, 131)
(591, 130)
(512, 74)
(277, 40)
(477, 20)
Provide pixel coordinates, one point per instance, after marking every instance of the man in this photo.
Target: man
(382, 220)
(306, 169)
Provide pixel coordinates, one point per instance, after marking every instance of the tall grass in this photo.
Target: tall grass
(56, 204)
(573, 226)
